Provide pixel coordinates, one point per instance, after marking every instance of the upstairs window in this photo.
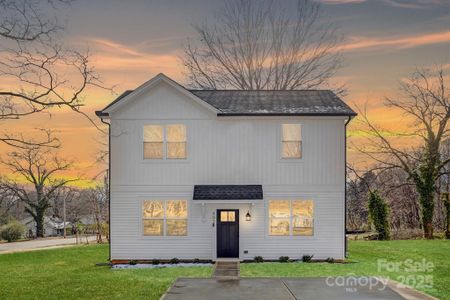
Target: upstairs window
(165, 142)
(176, 141)
(291, 141)
(153, 141)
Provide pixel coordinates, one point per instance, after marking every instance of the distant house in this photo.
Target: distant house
(226, 173)
(87, 220)
(53, 226)
(88, 224)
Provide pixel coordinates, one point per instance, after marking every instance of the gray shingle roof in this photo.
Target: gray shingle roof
(270, 103)
(275, 102)
(227, 192)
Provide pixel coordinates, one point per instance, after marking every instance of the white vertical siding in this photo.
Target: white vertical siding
(224, 151)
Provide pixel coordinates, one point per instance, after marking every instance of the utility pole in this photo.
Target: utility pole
(64, 210)
(64, 216)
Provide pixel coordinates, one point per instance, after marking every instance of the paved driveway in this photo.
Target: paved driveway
(288, 288)
(40, 244)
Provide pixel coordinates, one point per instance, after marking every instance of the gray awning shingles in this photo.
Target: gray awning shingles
(228, 192)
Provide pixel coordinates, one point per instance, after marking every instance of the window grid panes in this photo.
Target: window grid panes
(291, 217)
(227, 216)
(291, 141)
(165, 141)
(164, 217)
(176, 141)
(153, 141)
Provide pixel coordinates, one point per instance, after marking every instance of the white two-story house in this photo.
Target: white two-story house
(226, 173)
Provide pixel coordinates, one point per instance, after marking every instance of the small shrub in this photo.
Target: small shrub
(258, 259)
(330, 260)
(284, 259)
(156, 261)
(196, 261)
(307, 258)
(174, 261)
(12, 231)
(133, 262)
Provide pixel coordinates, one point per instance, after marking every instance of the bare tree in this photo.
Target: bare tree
(98, 201)
(39, 168)
(7, 202)
(425, 101)
(37, 73)
(358, 187)
(259, 44)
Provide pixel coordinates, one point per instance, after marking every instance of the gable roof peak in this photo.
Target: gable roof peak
(248, 102)
(131, 94)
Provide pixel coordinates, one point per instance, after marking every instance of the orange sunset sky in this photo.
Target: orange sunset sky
(131, 41)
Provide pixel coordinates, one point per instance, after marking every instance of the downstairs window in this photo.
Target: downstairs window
(291, 217)
(164, 217)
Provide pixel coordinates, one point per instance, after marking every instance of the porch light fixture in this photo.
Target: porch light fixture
(248, 217)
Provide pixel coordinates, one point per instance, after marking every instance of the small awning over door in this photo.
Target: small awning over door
(228, 192)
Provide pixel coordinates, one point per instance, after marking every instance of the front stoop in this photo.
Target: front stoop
(226, 270)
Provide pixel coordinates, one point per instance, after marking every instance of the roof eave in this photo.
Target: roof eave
(287, 114)
(101, 114)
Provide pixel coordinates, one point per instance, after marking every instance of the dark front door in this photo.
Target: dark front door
(227, 233)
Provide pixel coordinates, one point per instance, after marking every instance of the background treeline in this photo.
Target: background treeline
(86, 209)
(400, 194)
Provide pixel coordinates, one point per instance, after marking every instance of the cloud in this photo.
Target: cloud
(416, 4)
(402, 42)
(128, 65)
(409, 4)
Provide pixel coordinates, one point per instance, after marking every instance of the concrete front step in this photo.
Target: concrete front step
(226, 270)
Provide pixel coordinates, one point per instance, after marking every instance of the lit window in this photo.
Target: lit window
(153, 141)
(153, 227)
(227, 216)
(291, 217)
(164, 217)
(291, 141)
(279, 213)
(302, 217)
(153, 213)
(176, 141)
(167, 141)
(176, 217)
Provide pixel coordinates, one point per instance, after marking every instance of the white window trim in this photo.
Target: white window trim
(164, 160)
(164, 236)
(290, 199)
(280, 143)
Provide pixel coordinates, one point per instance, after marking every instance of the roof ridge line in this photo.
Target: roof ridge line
(236, 90)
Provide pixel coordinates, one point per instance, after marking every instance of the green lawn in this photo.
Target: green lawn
(69, 273)
(364, 256)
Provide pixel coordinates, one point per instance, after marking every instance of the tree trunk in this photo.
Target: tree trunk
(446, 199)
(427, 202)
(99, 231)
(39, 224)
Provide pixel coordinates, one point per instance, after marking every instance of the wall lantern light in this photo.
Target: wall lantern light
(248, 217)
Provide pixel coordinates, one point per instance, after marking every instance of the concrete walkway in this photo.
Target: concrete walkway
(286, 288)
(41, 244)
